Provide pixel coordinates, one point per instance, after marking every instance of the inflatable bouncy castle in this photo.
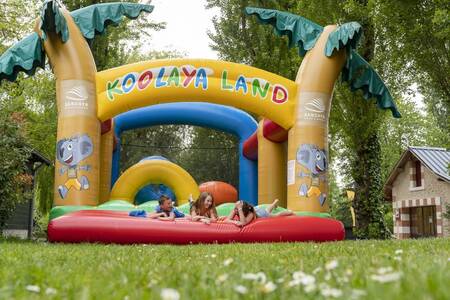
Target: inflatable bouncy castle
(284, 155)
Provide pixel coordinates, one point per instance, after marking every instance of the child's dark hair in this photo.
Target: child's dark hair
(247, 208)
(163, 198)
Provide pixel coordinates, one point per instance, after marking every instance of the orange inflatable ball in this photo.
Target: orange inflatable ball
(222, 192)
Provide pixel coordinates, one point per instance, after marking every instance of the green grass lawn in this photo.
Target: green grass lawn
(411, 269)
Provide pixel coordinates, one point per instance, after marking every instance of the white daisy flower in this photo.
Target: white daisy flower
(240, 289)
(309, 288)
(398, 251)
(269, 287)
(50, 291)
(228, 262)
(331, 292)
(331, 265)
(169, 294)
(33, 288)
(384, 278)
(259, 277)
(301, 278)
(298, 275)
(384, 270)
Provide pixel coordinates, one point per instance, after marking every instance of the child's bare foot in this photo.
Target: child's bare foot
(275, 203)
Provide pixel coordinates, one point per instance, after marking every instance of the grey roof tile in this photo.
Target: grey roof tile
(436, 159)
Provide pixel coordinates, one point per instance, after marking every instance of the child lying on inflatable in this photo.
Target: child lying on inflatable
(243, 213)
(203, 209)
(164, 211)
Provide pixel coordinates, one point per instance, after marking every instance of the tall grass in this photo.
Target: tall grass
(410, 269)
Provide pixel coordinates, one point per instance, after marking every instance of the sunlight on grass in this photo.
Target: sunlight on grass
(413, 269)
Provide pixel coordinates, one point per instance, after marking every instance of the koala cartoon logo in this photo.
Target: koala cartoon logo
(70, 152)
(315, 161)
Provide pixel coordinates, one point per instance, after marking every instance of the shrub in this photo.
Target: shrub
(13, 157)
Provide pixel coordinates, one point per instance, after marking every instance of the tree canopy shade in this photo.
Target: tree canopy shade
(28, 54)
(304, 34)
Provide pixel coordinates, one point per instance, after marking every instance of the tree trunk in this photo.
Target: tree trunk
(368, 202)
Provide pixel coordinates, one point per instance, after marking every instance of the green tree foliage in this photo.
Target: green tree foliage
(34, 98)
(416, 36)
(13, 157)
(16, 19)
(213, 156)
(164, 140)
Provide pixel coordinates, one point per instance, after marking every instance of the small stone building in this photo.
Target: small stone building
(419, 188)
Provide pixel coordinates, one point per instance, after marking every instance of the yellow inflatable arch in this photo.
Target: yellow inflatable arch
(160, 171)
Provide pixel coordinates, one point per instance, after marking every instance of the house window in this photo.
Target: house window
(418, 174)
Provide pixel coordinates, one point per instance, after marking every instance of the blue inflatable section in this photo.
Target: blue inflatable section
(219, 117)
(153, 191)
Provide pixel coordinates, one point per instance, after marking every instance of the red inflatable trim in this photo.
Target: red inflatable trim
(103, 226)
(250, 147)
(106, 126)
(274, 132)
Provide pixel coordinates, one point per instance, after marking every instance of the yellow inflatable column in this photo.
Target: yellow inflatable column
(308, 139)
(107, 145)
(271, 169)
(78, 137)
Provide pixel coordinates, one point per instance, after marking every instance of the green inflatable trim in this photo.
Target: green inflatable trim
(92, 20)
(53, 20)
(120, 205)
(346, 35)
(59, 211)
(302, 32)
(361, 76)
(26, 55)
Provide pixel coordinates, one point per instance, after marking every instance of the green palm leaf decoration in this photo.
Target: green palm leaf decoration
(301, 32)
(93, 20)
(304, 33)
(53, 20)
(26, 55)
(361, 76)
(346, 35)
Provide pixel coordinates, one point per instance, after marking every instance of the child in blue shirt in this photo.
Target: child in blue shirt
(165, 210)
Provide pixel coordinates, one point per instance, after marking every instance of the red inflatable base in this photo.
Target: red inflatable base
(101, 226)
